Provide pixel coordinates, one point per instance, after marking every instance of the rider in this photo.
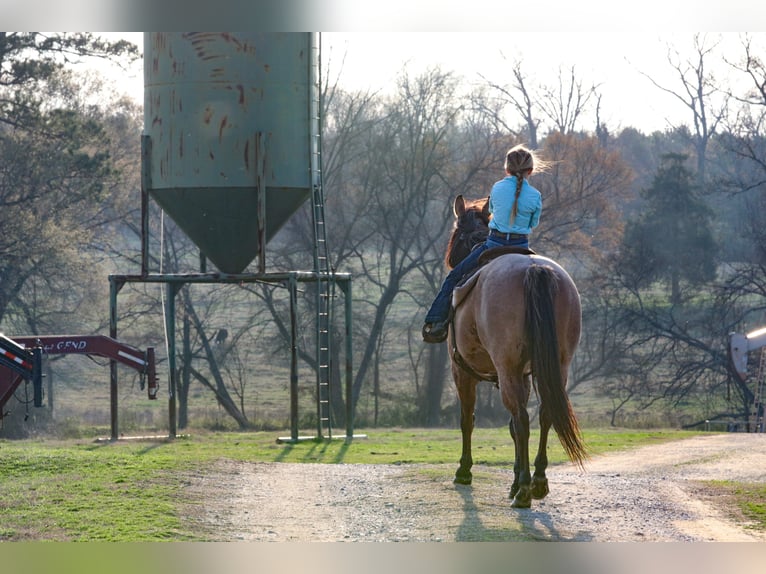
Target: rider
(515, 207)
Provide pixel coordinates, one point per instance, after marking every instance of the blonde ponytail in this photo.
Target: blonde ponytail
(519, 183)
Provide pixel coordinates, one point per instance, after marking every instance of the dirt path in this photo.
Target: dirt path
(653, 494)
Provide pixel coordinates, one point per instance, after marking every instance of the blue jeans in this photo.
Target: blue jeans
(439, 310)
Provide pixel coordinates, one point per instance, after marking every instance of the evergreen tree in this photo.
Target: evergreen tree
(671, 240)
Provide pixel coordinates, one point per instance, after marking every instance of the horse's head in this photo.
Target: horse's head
(471, 228)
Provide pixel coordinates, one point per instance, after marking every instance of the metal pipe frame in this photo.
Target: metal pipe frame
(174, 282)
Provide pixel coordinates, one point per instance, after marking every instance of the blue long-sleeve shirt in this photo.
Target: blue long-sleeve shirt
(501, 204)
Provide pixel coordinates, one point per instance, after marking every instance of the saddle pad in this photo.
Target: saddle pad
(495, 252)
(464, 287)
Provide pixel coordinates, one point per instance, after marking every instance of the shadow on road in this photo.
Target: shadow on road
(472, 529)
(524, 524)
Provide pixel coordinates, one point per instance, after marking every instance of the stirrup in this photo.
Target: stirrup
(435, 332)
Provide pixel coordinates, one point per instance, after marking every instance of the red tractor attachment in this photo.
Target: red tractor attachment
(21, 359)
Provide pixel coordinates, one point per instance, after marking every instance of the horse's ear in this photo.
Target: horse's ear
(485, 210)
(459, 206)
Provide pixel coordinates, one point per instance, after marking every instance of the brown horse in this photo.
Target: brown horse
(516, 320)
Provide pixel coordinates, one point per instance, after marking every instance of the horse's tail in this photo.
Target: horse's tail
(540, 286)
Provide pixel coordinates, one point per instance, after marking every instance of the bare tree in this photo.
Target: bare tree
(745, 138)
(519, 97)
(700, 92)
(562, 104)
(565, 103)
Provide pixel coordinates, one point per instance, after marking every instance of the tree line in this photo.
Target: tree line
(660, 231)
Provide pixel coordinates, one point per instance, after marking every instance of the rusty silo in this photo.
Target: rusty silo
(226, 114)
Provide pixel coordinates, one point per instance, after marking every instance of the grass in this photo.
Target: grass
(133, 491)
(70, 491)
(745, 501)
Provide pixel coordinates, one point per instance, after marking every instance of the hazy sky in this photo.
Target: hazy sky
(616, 62)
(612, 61)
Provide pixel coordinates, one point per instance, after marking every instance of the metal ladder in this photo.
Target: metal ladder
(321, 257)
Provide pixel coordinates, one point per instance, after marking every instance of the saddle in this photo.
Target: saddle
(495, 252)
(463, 288)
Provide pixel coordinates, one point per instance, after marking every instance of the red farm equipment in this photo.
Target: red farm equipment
(21, 360)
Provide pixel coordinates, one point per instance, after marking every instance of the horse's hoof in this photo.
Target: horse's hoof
(523, 499)
(539, 488)
(463, 477)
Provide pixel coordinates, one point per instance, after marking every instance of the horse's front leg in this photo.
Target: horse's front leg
(466, 389)
(539, 480)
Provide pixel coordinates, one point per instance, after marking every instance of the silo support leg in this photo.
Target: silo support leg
(346, 288)
(293, 288)
(170, 325)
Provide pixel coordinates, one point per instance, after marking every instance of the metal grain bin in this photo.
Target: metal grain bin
(223, 110)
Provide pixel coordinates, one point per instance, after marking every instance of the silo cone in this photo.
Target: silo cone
(224, 111)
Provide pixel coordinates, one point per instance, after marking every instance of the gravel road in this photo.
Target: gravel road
(655, 493)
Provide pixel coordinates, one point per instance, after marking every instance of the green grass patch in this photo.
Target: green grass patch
(744, 501)
(492, 447)
(133, 490)
(70, 491)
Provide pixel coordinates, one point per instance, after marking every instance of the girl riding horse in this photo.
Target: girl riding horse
(514, 207)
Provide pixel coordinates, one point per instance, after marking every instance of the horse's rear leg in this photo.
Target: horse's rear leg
(539, 480)
(514, 390)
(466, 389)
(522, 395)
(516, 468)
(520, 490)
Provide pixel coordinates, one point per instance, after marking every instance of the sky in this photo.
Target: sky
(617, 62)
(613, 62)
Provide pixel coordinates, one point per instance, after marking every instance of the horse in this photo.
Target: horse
(516, 321)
